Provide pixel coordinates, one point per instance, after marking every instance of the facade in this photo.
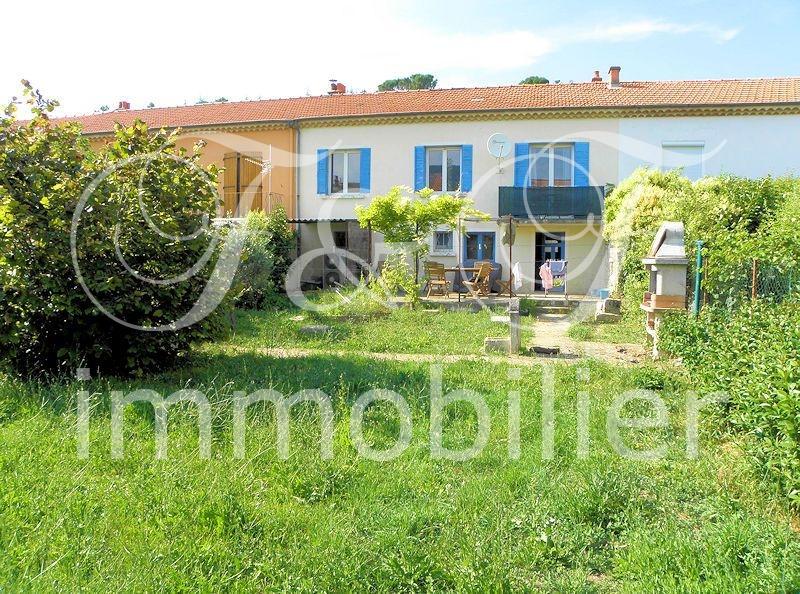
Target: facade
(320, 157)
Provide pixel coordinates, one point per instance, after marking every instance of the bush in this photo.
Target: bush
(49, 322)
(269, 248)
(754, 356)
(737, 218)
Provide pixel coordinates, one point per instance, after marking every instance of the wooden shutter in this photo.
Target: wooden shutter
(230, 184)
(250, 184)
(419, 168)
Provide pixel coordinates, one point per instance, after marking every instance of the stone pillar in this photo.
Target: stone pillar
(513, 315)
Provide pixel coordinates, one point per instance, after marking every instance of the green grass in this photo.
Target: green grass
(600, 524)
(399, 330)
(629, 330)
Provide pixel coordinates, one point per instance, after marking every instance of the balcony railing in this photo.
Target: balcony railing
(552, 202)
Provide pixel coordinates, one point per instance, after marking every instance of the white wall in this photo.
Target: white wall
(393, 156)
(751, 146)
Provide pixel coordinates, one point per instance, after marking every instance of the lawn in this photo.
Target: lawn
(599, 524)
(398, 330)
(629, 330)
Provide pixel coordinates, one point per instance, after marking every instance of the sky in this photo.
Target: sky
(89, 54)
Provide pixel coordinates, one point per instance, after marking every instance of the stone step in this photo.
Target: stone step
(551, 317)
(607, 317)
(552, 309)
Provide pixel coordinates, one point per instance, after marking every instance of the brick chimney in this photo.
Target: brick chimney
(614, 72)
(337, 88)
(124, 105)
(597, 77)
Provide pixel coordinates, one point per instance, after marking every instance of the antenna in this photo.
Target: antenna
(499, 146)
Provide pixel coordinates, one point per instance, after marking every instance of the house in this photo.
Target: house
(567, 144)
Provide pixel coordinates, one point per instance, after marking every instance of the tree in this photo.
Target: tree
(151, 104)
(143, 193)
(409, 83)
(408, 221)
(221, 100)
(201, 101)
(104, 108)
(534, 80)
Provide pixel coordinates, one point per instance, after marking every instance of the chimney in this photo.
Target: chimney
(124, 105)
(614, 72)
(597, 77)
(337, 88)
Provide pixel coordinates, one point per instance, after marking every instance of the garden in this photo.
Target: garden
(549, 502)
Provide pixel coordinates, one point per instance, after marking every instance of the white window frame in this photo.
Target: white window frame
(444, 150)
(696, 144)
(451, 251)
(536, 147)
(345, 173)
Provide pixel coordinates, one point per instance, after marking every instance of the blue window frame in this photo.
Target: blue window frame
(479, 246)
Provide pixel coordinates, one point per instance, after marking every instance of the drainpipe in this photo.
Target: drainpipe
(296, 127)
(698, 276)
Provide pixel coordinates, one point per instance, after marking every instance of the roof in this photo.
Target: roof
(560, 96)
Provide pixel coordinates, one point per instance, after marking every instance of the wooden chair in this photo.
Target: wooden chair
(506, 285)
(436, 280)
(479, 284)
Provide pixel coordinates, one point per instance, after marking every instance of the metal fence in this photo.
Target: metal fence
(757, 280)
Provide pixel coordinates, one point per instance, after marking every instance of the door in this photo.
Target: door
(479, 246)
(549, 246)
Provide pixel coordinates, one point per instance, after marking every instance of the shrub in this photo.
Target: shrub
(49, 322)
(737, 218)
(754, 356)
(397, 278)
(269, 247)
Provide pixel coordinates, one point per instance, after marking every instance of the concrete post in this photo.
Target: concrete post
(513, 314)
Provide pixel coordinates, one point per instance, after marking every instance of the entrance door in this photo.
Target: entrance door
(549, 246)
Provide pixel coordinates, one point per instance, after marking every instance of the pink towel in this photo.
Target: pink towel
(546, 275)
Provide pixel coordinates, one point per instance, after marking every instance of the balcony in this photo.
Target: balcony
(554, 203)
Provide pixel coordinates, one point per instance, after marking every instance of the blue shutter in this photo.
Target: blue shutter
(419, 168)
(521, 161)
(580, 174)
(366, 155)
(466, 168)
(322, 171)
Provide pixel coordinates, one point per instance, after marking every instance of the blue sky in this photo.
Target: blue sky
(172, 53)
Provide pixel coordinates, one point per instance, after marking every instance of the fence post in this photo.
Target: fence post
(754, 281)
(698, 276)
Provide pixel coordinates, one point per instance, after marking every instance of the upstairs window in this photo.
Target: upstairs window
(551, 165)
(345, 172)
(686, 156)
(443, 169)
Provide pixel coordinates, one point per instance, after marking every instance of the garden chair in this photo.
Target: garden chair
(479, 284)
(436, 280)
(507, 286)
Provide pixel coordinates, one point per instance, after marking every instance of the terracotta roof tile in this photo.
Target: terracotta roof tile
(516, 97)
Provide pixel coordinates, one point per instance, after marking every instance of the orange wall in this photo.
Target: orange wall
(281, 180)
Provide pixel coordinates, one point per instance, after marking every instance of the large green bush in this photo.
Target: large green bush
(737, 218)
(145, 222)
(269, 248)
(753, 355)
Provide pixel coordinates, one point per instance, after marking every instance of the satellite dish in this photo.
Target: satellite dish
(499, 145)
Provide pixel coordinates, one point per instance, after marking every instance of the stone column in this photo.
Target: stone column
(513, 314)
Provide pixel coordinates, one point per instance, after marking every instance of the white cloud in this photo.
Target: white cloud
(172, 53)
(637, 30)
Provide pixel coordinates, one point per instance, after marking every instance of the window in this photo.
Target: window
(444, 169)
(442, 242)
(688, 156)
(241, 183)
(551, 165)
(345, 168)
(479, 246)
